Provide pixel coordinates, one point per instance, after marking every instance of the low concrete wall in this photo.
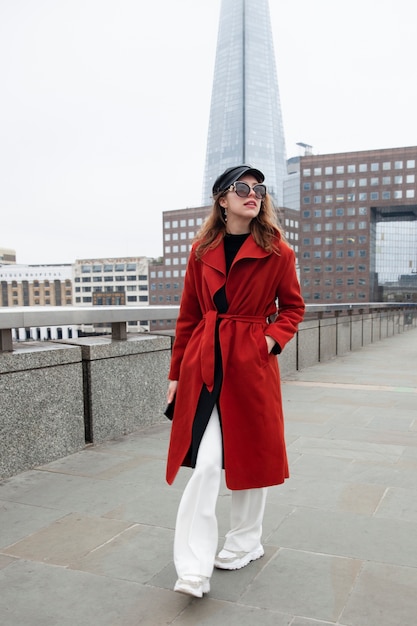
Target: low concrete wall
(56, 397)
(41, 406)
(125, 383)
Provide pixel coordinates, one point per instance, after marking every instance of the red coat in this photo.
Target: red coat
(250, 397)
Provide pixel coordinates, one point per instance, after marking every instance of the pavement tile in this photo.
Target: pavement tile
(19, 520)
(208, 612)
(384, 595)
(36, 594)
(137, 554)
(65, 493)
(399, 504)
(66, 539)
(304, 584)
(349, 535)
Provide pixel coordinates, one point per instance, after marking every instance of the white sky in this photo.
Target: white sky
(104, 108)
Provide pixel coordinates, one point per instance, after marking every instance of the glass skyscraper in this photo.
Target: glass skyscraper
(245, 123)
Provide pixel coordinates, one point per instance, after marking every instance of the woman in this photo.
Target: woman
(240, 305)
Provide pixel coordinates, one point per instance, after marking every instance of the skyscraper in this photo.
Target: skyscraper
(245, 123)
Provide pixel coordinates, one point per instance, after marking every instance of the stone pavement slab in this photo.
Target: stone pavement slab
(87, 539)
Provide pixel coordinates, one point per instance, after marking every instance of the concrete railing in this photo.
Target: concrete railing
(56, 397)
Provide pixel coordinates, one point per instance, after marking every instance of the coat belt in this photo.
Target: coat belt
(208, 341)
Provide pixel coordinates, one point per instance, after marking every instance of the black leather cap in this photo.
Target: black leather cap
(232, 174)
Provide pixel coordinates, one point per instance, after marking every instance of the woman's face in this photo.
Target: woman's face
(241, 211)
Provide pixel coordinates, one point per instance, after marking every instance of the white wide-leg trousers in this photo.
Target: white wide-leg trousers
(196, 530)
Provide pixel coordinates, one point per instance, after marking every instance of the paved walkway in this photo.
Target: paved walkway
(87, 540)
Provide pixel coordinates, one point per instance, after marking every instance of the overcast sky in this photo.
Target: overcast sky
(104, 108)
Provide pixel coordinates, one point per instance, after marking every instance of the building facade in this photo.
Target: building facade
(245, 124)
(112, 282)
(351, 204)
(166, 277)
(37, 285)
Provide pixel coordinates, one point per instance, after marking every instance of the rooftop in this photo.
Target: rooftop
(88, 539)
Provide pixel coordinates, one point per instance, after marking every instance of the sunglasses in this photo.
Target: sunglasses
(243, 190)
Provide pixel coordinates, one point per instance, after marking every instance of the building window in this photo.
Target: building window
(307, 172)
(411, 163)
(386, 180)
(351, 169)
(374, 167)
(386, 165)
(363, 167)
(410, 178)
(398, 165)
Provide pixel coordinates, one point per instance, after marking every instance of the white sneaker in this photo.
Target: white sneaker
(193, 585)
(236, 560)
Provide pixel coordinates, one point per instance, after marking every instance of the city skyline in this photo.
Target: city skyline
(106, 108)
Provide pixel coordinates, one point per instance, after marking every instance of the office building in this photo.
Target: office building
(245, 123)
(37, 285)
(358, 213)
(112, 282)
(166, 277)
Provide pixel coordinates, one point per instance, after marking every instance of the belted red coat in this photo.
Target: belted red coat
(250, 406)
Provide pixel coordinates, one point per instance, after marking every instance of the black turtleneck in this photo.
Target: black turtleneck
(232, 245)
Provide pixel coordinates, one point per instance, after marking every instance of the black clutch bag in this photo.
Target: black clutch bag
(169, 411)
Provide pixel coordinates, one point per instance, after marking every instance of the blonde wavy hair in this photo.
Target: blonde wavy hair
(265, 228)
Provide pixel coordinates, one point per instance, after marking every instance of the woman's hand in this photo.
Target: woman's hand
(270, 343)
(172, 390)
